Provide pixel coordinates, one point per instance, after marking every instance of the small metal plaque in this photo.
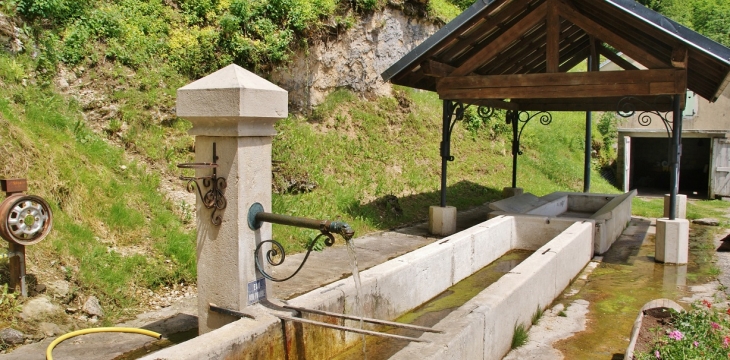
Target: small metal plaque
(256, 291)
(14, 185)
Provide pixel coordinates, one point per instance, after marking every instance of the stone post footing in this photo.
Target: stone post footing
(442, 220)
(672, 241)
(510, 192)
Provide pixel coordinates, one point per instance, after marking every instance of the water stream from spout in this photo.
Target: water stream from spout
(358, 311)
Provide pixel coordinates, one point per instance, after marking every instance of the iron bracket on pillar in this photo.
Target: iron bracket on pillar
(627, 108)
(213, 198)
(523, 117)
(457, 108)
(276, 255)
(514, 118)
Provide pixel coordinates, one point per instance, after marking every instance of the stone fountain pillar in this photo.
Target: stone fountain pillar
(235, 111)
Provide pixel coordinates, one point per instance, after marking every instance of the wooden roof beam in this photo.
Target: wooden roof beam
(659, 103)
(515, 55)
(595, 58)
(570, 46)
(493, 103)
(564, 85)
(434, 68)
(616, 58)
(552, 53)
(680, 57)
(570, 13)
(501, 43)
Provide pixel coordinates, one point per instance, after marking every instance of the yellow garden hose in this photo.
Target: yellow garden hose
(61, 338)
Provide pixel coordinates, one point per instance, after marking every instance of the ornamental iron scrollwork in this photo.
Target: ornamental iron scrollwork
(523, 117)
(276, 255)
(486, 112)
(213, 198)
(627, 108)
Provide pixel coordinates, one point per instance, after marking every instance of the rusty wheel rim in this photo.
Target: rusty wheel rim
(25, 219)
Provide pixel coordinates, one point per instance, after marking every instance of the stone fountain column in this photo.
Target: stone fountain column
(235, 111)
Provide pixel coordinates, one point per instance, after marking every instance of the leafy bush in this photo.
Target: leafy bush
(59, 10)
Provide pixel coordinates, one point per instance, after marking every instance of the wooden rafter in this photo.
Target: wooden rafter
(617, 59)
(478, 36)
(564, 85)
(577, 57)
(436, 69)
(570, 13)
(496, 46)
(568, 48)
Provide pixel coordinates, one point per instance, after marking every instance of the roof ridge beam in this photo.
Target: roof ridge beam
(502, 42)
(570, 13)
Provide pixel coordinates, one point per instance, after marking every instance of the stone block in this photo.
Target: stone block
(672, 241)
(442, 220)
(510, 192)
(232, 102)
(681, 206)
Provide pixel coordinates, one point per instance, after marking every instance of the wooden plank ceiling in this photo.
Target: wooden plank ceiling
(516, 53)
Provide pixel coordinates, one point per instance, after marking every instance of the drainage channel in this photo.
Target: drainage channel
(436, 309)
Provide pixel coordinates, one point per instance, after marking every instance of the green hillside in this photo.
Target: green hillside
(87, 115)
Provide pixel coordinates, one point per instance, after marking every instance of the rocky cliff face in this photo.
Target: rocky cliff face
(354, 60)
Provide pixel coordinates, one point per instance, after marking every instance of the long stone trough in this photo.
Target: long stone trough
(480, 329)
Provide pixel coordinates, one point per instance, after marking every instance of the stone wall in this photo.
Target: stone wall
(354, 60)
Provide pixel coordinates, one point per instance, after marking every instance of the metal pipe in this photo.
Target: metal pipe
(369, 320)
(337, 227)
(445, 146)
(350, 329)
(676, 155)
(589, 143)
(515, 146)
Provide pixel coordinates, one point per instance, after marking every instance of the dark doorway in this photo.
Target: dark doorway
(650, 170)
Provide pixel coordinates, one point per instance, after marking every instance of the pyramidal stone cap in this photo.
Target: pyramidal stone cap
(232, 102)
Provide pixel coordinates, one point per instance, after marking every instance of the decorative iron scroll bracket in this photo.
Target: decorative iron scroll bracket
(627, 108)
(276, 255)
(523, 117)
(457, 112)
(213, 198)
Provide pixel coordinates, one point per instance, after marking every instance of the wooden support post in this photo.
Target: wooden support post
(16, 258)
(553, 38)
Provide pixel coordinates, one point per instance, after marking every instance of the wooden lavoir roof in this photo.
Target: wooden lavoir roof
(515, 54)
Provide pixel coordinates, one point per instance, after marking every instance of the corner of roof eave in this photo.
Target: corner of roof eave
(433, 40)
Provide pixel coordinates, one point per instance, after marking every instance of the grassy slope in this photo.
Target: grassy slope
(116, 235)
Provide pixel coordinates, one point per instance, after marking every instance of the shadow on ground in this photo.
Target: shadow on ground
(389, 211)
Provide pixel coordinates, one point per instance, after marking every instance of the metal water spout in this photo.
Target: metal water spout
(276, 255)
